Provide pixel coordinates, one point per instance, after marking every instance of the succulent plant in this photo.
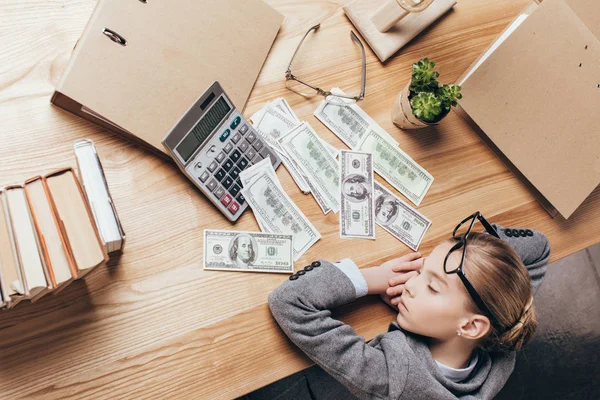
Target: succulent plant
(426, 106)
(423, 76)
(430, 102)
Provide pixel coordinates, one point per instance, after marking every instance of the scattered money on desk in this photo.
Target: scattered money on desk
(347, 120)
(357, 217)
(317, 163)
(248, 251)
(274, 211)
(275, 120)
(398, 218)
(396, 167)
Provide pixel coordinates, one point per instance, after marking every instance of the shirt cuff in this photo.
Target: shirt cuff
(348, 267)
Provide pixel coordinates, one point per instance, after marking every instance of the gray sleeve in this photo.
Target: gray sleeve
(301, 308)
(532, 246)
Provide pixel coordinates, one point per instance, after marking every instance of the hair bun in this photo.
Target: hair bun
(521, 333)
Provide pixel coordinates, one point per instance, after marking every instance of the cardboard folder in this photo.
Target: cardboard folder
(534, 97)
(139, 66)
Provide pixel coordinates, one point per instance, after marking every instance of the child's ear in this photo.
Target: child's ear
(476, 327)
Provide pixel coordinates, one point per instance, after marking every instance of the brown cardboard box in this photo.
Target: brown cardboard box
(172, 52)
(535, 100)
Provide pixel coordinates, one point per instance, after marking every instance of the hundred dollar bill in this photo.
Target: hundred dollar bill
(396, 167)
(398, 218)
(277, 213)
(247, 175)
(284, 106)
(248, 251)
(347, 120)
(279, 103)
(357, 218)
(317, 163)
(273, 124)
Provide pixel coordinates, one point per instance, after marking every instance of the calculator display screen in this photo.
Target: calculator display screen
(203, 128)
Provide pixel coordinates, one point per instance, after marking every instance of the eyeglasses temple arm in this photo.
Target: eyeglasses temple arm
(289, 68)
(363, 75)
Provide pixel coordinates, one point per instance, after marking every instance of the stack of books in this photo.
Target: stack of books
(54, 230)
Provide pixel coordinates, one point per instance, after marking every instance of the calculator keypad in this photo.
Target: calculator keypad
(234, 148)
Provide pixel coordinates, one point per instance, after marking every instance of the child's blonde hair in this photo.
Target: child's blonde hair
(498, 274)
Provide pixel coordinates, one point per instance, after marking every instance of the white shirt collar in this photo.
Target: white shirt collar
(458, 374)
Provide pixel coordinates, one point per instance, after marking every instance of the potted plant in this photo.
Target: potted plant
(423, 101)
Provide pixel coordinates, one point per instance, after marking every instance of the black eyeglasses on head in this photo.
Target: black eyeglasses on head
(461, 245)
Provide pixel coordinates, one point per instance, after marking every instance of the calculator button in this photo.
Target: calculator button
(213, 165)
(257, 159)
(225, 135)
(226, 199)
(258, 145)
(243, 163)
(239, 183)
(234, 207)
(198, 166)
(235, 156)
(220, 157)
(235, 172)
(220, 174)
(219, 192)
(235, 122)
(236, 138)
(244, 129)
(241, 199)
(251, 137)
(204, 177)
(211, 185)
(234, 190)
(227, 182)
(266, 153)
(227, 147)
(251, 153)
(228, 164)
(243, 146)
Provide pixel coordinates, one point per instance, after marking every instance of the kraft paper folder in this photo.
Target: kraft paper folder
(138, 66)
(534, 97)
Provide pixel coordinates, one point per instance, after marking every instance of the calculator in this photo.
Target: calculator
(212, 143)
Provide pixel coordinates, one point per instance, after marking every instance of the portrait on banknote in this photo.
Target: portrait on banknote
(356, 188)
(386, 209)
(242, 250)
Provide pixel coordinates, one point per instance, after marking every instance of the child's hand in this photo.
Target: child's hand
(402, 269)
(396, 270)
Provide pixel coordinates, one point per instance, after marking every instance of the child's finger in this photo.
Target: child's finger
(408, 266)
(401, 278)
(411, 256)
(395, 290)
(395, 300)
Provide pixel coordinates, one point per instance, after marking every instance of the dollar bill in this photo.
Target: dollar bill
(277, 213)
(357, 218)
(247, 175)
(317, 163)
(248, 251)
(398, 218)
(347, 120)
(272, 124)
(396, 167)
(284, 106)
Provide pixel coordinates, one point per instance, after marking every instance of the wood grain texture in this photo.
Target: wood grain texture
(152, 324)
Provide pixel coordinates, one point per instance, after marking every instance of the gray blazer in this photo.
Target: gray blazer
(396, 364)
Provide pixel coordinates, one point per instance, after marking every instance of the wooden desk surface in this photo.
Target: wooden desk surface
(153, 324)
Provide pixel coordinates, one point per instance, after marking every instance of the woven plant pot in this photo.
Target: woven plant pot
(402, 114)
